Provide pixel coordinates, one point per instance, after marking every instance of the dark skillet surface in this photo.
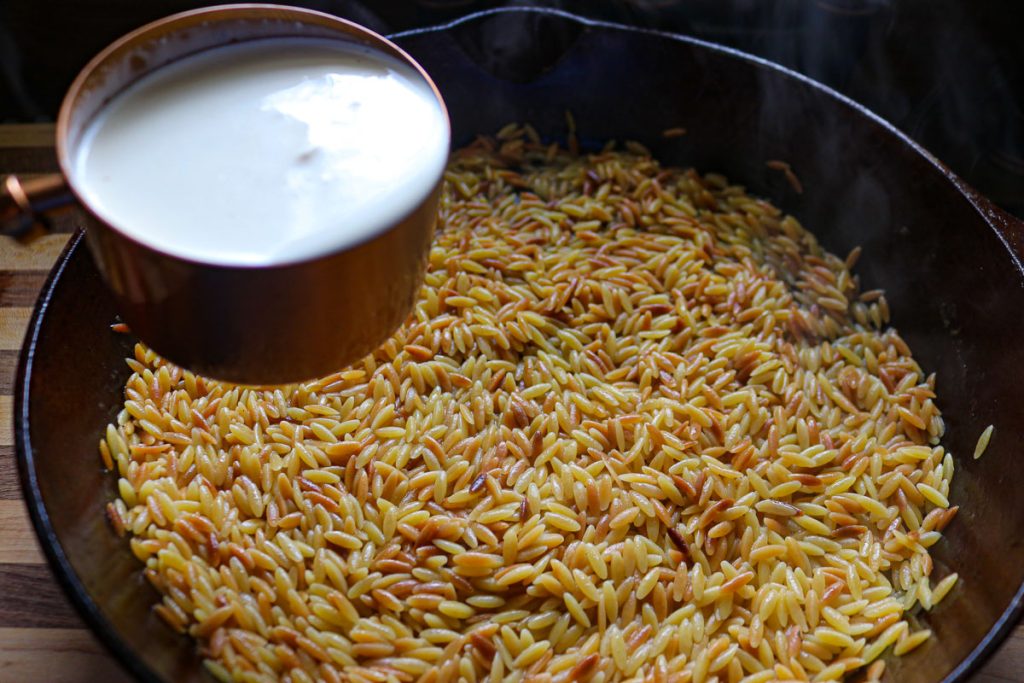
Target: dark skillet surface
(954, 289)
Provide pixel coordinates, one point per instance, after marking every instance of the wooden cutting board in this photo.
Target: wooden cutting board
(42, 639)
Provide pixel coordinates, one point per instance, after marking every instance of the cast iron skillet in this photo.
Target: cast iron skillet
(950, 263)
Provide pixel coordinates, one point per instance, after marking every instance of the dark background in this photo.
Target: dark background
(950, 73)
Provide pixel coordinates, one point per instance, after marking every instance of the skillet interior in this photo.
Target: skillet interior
(953, 287)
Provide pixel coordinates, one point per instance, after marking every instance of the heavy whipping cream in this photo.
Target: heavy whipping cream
(264, 152)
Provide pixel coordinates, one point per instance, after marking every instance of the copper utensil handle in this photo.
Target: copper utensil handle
(25, 204)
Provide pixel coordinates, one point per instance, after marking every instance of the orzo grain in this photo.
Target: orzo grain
(983, 440)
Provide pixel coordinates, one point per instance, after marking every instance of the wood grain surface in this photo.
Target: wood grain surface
(42, 639)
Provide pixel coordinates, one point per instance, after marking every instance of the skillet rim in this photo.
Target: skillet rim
(997, 221)
(56, 558)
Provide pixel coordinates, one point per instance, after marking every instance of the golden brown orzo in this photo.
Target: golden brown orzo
(639, 425)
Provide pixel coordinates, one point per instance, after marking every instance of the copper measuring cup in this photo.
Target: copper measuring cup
(255, 325)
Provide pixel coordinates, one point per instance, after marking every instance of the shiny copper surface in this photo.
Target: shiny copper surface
(25, 203)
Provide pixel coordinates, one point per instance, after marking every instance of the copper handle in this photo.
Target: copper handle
(25, 204)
